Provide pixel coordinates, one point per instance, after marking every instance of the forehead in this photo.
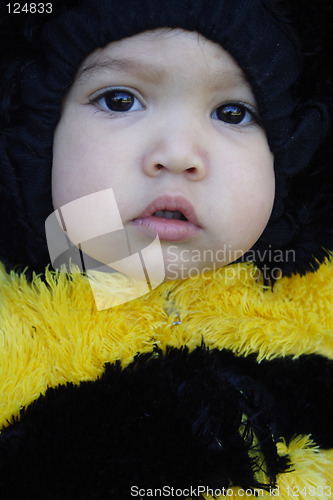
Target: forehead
(155, 54)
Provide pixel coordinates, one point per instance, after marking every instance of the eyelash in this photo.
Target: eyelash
(96, 100)
(242, 110)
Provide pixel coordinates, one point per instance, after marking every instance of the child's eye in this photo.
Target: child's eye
(234, 114)
(118, 101)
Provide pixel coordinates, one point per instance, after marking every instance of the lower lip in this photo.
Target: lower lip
(167, 229)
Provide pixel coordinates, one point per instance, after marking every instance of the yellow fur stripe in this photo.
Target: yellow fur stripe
(53, 333)
(310, 476)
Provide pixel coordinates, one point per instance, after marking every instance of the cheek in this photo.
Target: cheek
(256, 190)
(255, 195)
(246, 185)
(84, 162)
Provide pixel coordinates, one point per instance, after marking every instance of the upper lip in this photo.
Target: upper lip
(171, 203)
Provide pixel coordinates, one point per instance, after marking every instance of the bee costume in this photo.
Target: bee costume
(219, 385)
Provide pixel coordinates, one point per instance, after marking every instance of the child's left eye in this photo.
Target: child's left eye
(234, 114)
(118, 101)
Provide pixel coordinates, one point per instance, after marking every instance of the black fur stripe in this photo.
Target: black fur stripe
(181, 419)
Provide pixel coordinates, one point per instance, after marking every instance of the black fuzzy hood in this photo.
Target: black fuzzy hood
(291, 79)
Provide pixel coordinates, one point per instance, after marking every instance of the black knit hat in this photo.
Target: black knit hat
(42, 53)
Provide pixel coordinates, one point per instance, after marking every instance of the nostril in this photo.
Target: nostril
(191, 170)
(158, 166)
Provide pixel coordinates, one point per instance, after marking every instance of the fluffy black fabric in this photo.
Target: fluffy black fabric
(180, 419)
(302, 391)
(302, 219)
(308, 210)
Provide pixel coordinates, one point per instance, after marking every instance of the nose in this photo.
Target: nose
(177, 148)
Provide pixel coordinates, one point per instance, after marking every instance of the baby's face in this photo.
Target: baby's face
(168, 121)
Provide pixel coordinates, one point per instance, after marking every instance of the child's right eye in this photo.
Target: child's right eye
(118, 101)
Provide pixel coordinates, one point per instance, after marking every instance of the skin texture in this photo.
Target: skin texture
(175, 139)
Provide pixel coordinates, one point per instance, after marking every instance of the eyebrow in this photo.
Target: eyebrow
(155, 72)
(128, 65)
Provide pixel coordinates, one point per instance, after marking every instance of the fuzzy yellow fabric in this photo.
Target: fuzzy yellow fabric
(52, 333)
(311, 475)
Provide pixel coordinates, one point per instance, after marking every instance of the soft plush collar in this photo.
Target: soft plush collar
(228, 308)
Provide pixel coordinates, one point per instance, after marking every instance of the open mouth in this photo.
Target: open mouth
(172, 218)
(170, 214)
